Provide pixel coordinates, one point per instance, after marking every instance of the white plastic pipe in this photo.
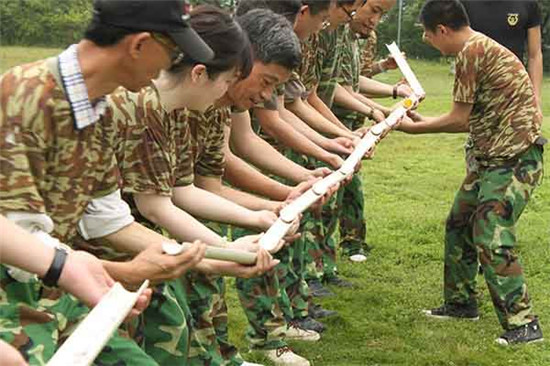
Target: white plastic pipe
(406, 70)
(275, 234)
(299, 205)
(321, 187)
(222, 254)
(93, 333)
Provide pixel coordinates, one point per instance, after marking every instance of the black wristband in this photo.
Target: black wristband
(394, 94)
(54, 272)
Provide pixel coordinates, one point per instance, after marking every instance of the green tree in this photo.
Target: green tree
(43, 22)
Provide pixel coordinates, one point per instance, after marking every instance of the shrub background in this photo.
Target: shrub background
(57, 23)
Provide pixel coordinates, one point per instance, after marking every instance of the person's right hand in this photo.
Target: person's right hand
(248, 243)
(317, 173)
(264, 219)
(406, 125)
(85, 277)
(156, 266)
(334, 161)
(264, 263)
(340, 145)
(9, 356)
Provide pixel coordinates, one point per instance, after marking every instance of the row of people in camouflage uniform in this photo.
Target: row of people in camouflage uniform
(117, 177)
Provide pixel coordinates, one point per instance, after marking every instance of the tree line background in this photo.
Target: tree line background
(57, 23)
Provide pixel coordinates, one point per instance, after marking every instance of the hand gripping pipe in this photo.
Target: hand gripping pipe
(222, 254)
(91, 335)
(279, 229)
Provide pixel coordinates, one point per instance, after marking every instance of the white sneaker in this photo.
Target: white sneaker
(250, 364)
(283, 356)
(358, 258)
(295, 333)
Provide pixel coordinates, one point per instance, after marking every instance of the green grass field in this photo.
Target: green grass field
(409, 188)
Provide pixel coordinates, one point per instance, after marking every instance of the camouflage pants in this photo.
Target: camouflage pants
(351, 202)
(329, 217)
(165, 335)
(34, 319)
(208, 337)
(311, 228)
(265, 303)
(208, 327)
(482, 225)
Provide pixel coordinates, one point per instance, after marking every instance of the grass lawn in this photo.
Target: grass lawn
(409, 188)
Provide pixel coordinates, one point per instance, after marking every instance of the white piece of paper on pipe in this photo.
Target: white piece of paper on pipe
(406, 70)
(93, 333)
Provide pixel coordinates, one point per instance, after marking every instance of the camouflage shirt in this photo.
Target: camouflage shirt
(368, 53)
(329, 53)
(159, 150)
(204, 154)
(310, 72)
(350, 61)
(146, 151)
(47, 165)
(505, 119)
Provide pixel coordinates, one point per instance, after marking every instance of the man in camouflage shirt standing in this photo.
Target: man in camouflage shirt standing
(495, 102)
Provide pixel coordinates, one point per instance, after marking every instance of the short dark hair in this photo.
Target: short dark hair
(224, 36)
(287, 8)
(105, 35)
(317, 6)
(272, 38)
(449, 13)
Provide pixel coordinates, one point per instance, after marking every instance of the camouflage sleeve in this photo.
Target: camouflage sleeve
(22, 151)
(368, 54)
(142, 154)
(212, 159)
(185, 161)
(466, 75)
(345, 71)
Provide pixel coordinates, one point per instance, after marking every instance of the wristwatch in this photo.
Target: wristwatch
(54, 272)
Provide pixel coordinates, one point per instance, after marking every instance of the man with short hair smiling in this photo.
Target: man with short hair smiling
(495, 102)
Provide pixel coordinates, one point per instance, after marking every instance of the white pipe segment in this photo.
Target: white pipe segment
(322, 186)
(276, 233)
(299, 205)
(222, 254)
(406, 70)
(91, 335)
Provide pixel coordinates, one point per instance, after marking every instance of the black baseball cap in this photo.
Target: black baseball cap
(169, 17)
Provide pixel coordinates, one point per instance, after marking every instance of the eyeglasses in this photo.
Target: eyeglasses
(350, 15)
(175, 53)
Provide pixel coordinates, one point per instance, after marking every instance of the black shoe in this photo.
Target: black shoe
(338, 282)
(318, 290)
(309, 323)
(317, 312)
(448, 311)
(528, 333)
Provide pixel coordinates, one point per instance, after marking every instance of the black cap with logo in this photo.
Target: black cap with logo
(163, 16)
